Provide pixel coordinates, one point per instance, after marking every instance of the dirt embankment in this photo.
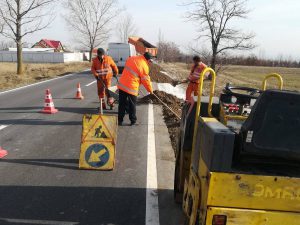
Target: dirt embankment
(171, 120)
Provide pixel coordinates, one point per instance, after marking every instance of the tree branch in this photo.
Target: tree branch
(213, 23)
(90, 20)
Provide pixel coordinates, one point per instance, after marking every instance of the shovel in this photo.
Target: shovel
(164, 104)
(111, 90)
(177, 82)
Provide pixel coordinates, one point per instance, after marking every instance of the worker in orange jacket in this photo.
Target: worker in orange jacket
(136, 72)
(104, 68)
(193, 78)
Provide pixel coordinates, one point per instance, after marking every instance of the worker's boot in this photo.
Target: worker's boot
(134, 123)
(111, 102)
(103, 105)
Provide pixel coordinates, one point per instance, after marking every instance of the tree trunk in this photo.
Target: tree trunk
(213, 60)
(19, 57)
(19, 41)
(91, 54)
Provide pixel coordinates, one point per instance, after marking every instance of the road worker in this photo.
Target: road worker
(103, 68)
(136, 72)
(193, 79)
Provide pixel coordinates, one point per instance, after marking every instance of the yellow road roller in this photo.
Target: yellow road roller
(238, 156)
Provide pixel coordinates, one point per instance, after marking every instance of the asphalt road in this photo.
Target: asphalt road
(40, 182)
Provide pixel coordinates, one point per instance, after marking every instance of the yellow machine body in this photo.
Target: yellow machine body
(254, 192)
(245, 199)
(253, 217)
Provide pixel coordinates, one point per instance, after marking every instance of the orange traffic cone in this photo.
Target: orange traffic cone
(79, 93)
(3, 153)
(49, 105)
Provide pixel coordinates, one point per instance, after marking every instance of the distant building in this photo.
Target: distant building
(44, 43)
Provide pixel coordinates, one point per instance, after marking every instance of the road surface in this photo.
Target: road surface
(40, 179)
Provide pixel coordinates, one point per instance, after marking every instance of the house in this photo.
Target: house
(45, 43)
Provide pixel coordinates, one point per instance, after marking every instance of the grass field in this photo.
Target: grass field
(242, 75)
(35, 72)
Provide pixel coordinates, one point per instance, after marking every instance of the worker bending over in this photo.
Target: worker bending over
(136, 71)
(103, 68)
(193, 78)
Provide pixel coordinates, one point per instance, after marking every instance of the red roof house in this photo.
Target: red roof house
(45, 43)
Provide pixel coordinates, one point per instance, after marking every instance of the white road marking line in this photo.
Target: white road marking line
(152, 207)
(91, 83)
(3, 126)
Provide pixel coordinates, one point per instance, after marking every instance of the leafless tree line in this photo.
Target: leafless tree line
(4, 45)
(168, 52)
(254, 60)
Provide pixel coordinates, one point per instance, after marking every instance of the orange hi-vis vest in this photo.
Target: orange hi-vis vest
(136, 71)
(196, 72)
(104, 69)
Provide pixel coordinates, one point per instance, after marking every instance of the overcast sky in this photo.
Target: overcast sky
(276, 24)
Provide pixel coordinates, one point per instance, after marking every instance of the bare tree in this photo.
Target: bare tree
(213, 18)
(126, 28)
(161, 41)
(160, 36)
(22, 17)
(206, 56)
(90, 20)
(4, 45)
(168, 52)
(202, 51)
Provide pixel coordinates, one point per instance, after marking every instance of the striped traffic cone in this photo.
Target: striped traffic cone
(49, 105)
(3, 153)
(79, 93)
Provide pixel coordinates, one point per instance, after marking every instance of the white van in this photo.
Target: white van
(120, 52)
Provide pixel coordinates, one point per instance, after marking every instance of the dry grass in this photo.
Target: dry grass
(242, 76)
(35, 72)
(177, 71)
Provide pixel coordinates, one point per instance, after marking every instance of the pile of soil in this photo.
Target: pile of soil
(172, 122)
(157, 76)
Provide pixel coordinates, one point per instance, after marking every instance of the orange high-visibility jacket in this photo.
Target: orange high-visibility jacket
(196, 72)
(136, 71)
(104, 69)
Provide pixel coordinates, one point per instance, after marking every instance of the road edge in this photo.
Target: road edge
(41, 82)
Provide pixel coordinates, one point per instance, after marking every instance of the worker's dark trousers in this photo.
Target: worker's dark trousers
(127, 102)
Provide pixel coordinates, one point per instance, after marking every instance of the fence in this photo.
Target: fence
(41, 57)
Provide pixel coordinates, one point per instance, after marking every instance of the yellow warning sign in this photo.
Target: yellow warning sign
(98, 142)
